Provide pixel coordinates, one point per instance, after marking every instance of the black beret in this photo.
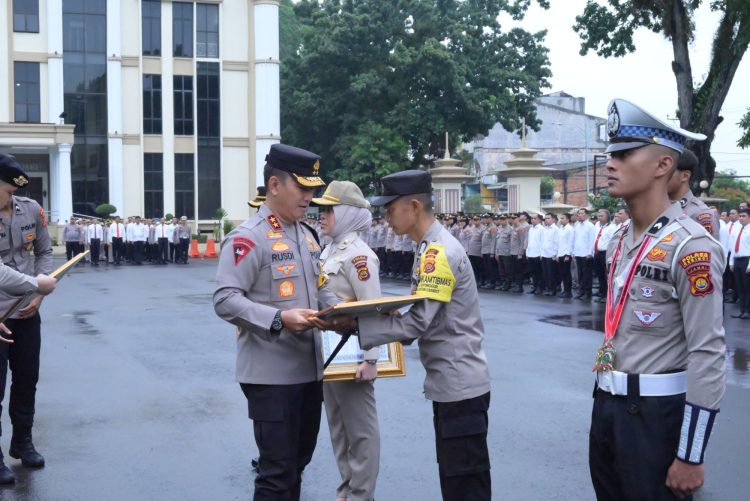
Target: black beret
(11, 171)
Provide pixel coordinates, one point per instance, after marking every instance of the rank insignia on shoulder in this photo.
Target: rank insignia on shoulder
(241, 247)
(658, 225)
(274, 222)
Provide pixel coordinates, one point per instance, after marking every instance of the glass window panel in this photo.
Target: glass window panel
(73, 32)
(96, 34)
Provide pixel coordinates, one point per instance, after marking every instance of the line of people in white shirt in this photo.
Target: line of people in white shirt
(734, 236)
(158, 241)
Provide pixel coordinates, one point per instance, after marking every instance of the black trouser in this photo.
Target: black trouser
(172, 247)
(383, 258)
(138, 251)
(71, 249)
(163, 254)
(632, 444)
(505, 270)
(184, 245)
(535, 267)
(95, 247)
(489, 269)
(408, 262)
(600, 268)
(549, 271)
(729, 279)
(129, 250)
(742, 283)
(584, 274)
(461, 444)
(23, 359)
(520, 269)
(476, 266)
(564, 269)
(286, 421)
(105, 248)
(117, 249)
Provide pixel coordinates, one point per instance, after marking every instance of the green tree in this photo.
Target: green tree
(603, 200)
(105, 210)
(473, 204)
(744, 141)
(546, 187)
(608, 30)
(729, 179)
(404, 71)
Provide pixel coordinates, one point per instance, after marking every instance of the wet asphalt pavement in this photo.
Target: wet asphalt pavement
(136, 400)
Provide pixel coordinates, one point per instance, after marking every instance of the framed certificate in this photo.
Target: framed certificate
(344, 366)
(370, 306)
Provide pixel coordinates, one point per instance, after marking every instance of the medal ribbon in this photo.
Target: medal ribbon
(613, 311)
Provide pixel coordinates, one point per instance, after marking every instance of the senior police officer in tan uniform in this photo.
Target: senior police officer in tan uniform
(268, 286)
(660, 371)
(352, 269)
(26, 247)
(449, 327)
(679, 190)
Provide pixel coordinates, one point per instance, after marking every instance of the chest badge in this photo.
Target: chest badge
(286, 288)
(280, 247)
(647, 318)
(274, 235)
(286, 269)
(657, 254)
(647, 291)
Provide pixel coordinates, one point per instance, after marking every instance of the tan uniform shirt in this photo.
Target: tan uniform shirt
(353, 272)
(475, 240)
(449, 327)
(673, 317)
(488, 239)
(503, 240)
(265, 266)
(25, 245)
(701, 213)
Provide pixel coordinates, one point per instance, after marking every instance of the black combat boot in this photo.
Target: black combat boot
(21, 447)
(6, 475)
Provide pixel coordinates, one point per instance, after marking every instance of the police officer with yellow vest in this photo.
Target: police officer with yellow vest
(448, 325)
(660, 370)
(26, 247)
(268, 287)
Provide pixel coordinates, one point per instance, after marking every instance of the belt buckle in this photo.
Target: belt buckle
(607, 381)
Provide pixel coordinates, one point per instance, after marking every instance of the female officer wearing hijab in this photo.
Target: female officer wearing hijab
(352, 271)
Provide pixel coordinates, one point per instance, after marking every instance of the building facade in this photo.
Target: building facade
(153, 106)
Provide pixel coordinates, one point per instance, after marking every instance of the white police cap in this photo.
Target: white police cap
(630, 126)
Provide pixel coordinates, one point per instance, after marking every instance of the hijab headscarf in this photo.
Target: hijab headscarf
(349, 219)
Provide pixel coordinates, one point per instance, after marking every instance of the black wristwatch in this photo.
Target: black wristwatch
(277, 325)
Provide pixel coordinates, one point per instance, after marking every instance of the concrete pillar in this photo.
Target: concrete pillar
(114, 105)
(55, 90)
(267, 99)
(64, 183)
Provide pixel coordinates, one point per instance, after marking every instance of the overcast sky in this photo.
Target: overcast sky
(644, 77)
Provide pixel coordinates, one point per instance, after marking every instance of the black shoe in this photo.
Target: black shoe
(23, 448)
(532, 291)
(738, 315)
(746, 316)
(565, 295)
(730, 300)
(549, 293)
(6, 475)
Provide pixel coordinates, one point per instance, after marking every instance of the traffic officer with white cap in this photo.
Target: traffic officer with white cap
(679, 189)
(26, 247)
(268, 286)
(660, 370)
(448, 325)
(351, 270)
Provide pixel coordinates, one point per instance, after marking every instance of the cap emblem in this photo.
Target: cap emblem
(316, 168)
(613, 121)
(21, 181)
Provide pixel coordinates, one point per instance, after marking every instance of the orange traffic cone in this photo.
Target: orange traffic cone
(194, 249)
(210, 248)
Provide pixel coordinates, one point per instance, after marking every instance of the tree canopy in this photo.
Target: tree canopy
(373, 85)
(609, 29)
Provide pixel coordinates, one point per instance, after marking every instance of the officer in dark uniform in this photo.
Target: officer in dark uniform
(269, 285)
(660, 371)
(25, 246)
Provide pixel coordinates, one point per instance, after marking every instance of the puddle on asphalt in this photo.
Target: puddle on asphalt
(84, 327)
(197, 298)
(583, 320)
(738, 367)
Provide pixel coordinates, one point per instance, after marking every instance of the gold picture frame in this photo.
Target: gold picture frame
(391, 361)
